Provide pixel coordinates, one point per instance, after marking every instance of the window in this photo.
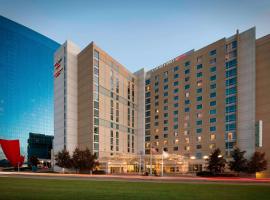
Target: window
(213, 103)
(175, 148)
(213, 120)
(213, 94)
(175, 83)
(165, 115)
(213, 112)
(231, 81)
(165, 108)
(199, 122)
(199, 130)
(176, 76)
(165, 87)
(187, 101)
(213, 86)
(187, 71)
(175, 98)
(231, 118)
(165, 80)
(213, 52)
(199, 74)
(187, 79)
(187, 63)
(199, 107)
(231, 73)
(199, 59)
(165, 94)
(213, 78)
(187, 87)
(199, 98)
(175, 105)
(147, 82)
(186, 109)
(175, 68)
(198, 146)
(231, 127)
(199, 83)
(165, 101)
(212, 61)
(212, 128)
(212, 137)
(199, 90)
(230, 109)
(199, 66)
(175, 91)
(199, 138)
(231, 99)
(213, 69)
(175, 126)
(231, 63)
(231, 91)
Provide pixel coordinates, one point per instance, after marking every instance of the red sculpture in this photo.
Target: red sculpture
(11, 149)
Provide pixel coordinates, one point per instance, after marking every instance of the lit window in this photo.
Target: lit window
(199, 138)
(212, 137)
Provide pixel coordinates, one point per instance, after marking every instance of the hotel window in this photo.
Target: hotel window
(212, 137)
(198, 146)
(199, 74)
(156, 90)
(199, 138)
(231, 99)
(199, 90)
(165, 94)
(231, 63)
(111, 140)
(187, 87)
(213, 112)
(175, 119)
(175, 148)
(231, 118)
(156, 103)
(156, 78)
(213, 120)
(187, 94)
(231, 72)
(117, 140)
(199, 66)
(156, 137)
(212, 146)
(175, 98)
(187, 148)
(165, 115)
(199, 130)
(199, 115)
(156, 123)
(186, 79)
(199, 83)
(213, 52)
(175, 68)
(165, 149)
(165, 142)
(175, 91)
(165, 74)
(165, 80)
(186, 132)
(213, 78)
(213, 86)
(213, 69)
(187, 102)
(213, 95)
(187, 140)
(230, 109)
(212, 128)
(212, 61)
(199, 107)
(175, 112)
(165, 101)
(165, 87)
(165, 108)
(175, 126)
(175, 83)
(213, 103)
(175, 105)
(147, 82)
(231, 127)
(186, 109)
(176, 76)
(165, 135)
(187, 71)
(231, 81)
(165, 128)
(187, 63)
(147, 94)
(199, 122)
(230, 91)
(187, 117)
(199, 98)
(199, 59)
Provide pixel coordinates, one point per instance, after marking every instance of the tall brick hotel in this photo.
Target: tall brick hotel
(214, 97)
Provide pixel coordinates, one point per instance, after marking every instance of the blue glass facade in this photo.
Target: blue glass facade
(26, 82)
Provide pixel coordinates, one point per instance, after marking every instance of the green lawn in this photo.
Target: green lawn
(19, 188)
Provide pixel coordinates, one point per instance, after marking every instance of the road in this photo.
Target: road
(138, 178)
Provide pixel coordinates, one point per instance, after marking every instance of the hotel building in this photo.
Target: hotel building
(214, 97)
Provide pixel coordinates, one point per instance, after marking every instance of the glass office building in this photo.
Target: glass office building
(26, 83)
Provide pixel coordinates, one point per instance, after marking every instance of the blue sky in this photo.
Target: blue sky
(140, 33)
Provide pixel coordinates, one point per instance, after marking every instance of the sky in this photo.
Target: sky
(140, 33)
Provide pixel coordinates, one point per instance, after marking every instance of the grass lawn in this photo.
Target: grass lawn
(19, 188)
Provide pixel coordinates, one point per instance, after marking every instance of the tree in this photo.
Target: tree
(63, 159)
(216, 162)
(84, 160)
(239, 162)
(257, 163)
(34, 161)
